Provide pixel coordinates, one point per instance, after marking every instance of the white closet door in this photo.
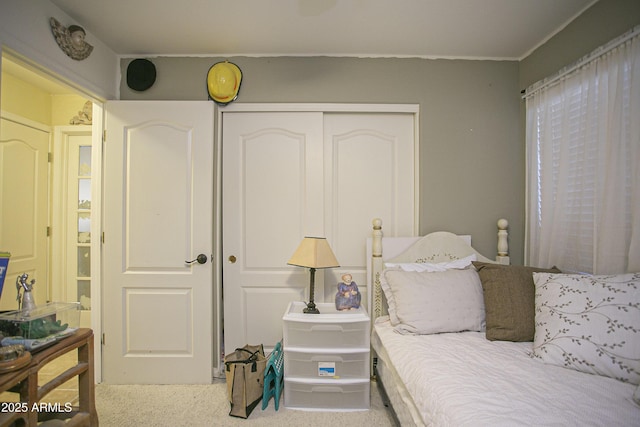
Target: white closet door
(369, 173)
(286, 175)
(271, 198)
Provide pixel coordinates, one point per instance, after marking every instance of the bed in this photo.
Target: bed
(446, 354)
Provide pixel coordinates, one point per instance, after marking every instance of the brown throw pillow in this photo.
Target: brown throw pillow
(509, 300)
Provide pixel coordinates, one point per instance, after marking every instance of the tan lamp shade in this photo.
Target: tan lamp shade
(314, 252)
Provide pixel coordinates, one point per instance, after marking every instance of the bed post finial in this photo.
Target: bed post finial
(503, 244)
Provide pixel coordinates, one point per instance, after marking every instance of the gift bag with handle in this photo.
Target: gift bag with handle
(244, 371)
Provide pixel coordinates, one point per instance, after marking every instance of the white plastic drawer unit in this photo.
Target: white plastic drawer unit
(333, 395)
(326, 358)
(329, 329)
(322, 363)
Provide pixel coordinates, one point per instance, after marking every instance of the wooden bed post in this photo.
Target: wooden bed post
(503, 243)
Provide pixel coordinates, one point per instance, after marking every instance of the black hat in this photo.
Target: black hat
(141, 74)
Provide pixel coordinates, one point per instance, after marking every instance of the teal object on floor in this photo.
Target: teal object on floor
(273, 377)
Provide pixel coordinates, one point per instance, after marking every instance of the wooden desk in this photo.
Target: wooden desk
(26, 380)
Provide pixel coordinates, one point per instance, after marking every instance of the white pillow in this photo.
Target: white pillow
(434, 302)
(589, 323)
(440, 266)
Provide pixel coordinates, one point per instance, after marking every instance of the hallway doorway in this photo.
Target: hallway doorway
(31, 99)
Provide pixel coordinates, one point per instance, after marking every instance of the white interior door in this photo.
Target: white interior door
(24, 193)
(158, 214)
(293, 174)
(71, 218)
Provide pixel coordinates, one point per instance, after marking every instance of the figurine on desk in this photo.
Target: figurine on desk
(348, 296)
(26, 303)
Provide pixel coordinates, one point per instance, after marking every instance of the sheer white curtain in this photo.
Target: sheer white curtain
(583, 163)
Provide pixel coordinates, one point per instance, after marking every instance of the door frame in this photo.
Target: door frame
(218, 305)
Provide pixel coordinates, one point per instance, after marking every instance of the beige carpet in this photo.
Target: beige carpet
(206, 405)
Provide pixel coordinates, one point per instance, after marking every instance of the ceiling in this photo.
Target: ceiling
(467, 29)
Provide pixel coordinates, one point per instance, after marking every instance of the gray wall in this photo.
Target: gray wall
(469, 129)
(604, 21)
(472, 159)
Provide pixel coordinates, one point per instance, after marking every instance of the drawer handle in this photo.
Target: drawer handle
(327, 359)
(326, 328)
(326, 389)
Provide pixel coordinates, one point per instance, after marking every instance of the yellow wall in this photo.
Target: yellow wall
(25, 100)
(65, 107)
(30, 102)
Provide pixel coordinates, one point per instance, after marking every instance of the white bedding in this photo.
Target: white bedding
(463, 379)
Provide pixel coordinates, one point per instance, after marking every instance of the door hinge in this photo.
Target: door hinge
(50, 157)
(103, 237)
(104, 135)
(48, 231)
(104, 339)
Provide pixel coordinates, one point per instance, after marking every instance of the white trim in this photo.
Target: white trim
(416, 172)
(218, 306)
(97, 127)
(24, 121)
(327, 108)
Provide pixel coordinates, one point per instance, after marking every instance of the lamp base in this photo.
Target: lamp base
(311, 309)
(311, 306)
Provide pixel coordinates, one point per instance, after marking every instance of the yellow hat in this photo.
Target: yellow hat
(223, 82)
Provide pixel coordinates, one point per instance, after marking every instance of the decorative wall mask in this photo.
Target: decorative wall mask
(84, 117)
(71, 40)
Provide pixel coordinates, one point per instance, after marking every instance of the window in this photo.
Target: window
(583, 155)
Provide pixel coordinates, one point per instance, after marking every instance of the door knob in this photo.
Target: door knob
(201, 259)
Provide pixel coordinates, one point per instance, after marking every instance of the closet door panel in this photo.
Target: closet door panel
(369, 173)
(271, 198)
(271, 195)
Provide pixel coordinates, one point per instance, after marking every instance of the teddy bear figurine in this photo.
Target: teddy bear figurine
(348, 296)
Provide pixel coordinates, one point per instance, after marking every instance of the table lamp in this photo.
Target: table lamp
(313, 253)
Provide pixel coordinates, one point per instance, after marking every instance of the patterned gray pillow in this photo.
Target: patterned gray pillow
(589, 323)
